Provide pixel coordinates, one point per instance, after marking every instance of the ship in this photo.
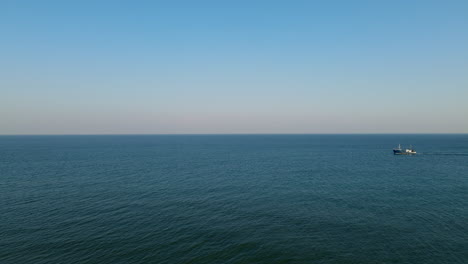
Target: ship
(400, 151)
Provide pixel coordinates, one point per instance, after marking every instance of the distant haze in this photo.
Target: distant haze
(164, 67)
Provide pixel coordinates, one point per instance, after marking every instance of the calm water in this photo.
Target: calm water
(233, 199)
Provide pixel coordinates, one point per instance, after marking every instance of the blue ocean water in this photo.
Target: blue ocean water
(233, 199)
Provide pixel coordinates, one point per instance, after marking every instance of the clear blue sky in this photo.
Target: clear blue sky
(105, 67)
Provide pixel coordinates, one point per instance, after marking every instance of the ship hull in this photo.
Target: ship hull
(401, 152)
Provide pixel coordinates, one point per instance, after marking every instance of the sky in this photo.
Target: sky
(203, 67)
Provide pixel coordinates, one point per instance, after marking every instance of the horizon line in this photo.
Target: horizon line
(235, 134)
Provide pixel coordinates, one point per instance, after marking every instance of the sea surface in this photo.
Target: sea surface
(233, 199)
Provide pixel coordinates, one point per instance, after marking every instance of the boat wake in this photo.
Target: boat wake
(444, 153)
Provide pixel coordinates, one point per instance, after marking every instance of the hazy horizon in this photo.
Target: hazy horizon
(240, 67)
(241, 134)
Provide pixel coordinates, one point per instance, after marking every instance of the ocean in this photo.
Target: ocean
(233, 199)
